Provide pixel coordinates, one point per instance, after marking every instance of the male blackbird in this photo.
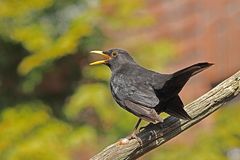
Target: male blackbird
(143, 92)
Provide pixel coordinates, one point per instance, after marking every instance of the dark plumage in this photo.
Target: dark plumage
(143, 92)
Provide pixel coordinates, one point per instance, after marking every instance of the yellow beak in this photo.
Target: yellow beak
(107, 57)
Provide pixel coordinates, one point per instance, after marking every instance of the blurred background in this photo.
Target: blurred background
(54, 106)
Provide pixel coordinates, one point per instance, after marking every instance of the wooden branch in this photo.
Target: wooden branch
(156, 134)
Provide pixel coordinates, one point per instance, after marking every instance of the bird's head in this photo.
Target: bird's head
(113, 58)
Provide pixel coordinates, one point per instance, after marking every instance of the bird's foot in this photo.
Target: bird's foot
(123, 141)
(130, 137)
(134, 136)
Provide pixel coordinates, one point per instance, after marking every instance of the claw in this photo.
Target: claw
(134, 136)
(124, 141)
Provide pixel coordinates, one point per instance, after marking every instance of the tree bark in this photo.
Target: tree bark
(155, 135)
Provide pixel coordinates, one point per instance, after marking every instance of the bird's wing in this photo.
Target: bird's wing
(144, 95)
(148, 114)
(135, 90)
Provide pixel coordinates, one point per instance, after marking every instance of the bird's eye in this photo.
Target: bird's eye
(114, 54)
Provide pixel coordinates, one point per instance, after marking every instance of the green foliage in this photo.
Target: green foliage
(119, 15)
(88, 95)
(64, 45)
(162, 51)
(30, 131)
(14, 8)
(36, 32)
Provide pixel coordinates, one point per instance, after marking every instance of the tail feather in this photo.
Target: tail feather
(172, 103)
(180, 78)
(193, 69)
(174, 107)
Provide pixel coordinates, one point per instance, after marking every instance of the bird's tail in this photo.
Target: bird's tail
(173, 105)
(180, 78)
(193, 69)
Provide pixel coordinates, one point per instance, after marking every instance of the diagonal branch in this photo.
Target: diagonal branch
(155, 135)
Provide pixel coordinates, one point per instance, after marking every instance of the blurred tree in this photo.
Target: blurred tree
(28, 132)
(10, 92)
(46, 31)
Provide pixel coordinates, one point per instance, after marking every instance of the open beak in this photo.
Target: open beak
(107, 57)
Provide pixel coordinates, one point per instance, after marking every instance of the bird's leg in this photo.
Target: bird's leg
(135, 131)
(133, 135)
(137, 124)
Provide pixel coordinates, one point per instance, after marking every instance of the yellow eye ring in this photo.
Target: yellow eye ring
(114, 54)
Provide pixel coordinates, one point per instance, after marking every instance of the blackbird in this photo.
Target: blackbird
(143, 92)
